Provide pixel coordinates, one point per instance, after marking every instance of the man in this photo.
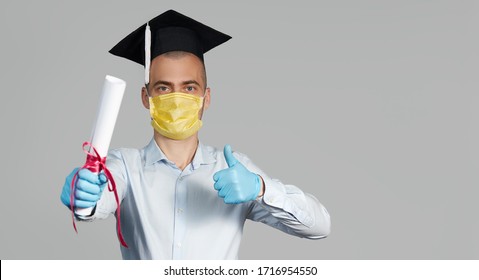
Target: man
(181, 199)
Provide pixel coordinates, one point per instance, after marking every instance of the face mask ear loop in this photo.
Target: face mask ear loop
(203, 106)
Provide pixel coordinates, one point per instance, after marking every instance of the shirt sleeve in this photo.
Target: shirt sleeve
(107, 203)
(287, 208)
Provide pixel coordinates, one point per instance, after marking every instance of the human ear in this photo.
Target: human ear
(207, 98)
(145, 98)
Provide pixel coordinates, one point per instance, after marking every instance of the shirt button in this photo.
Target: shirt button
(178, 245)
(180, 210)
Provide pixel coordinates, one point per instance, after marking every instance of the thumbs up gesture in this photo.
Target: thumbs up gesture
(236, 184)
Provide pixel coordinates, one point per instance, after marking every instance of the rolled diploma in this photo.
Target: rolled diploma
(110, 101)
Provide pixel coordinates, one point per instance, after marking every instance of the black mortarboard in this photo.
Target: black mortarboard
(170, 31)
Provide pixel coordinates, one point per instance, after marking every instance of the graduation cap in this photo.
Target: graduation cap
(170, 31)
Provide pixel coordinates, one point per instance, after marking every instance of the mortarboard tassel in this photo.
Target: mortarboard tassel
(147, 53)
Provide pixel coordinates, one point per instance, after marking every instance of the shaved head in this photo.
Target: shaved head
(181, 54)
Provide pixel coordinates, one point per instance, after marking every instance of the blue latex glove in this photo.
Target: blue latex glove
(88, 188)
(236, 184)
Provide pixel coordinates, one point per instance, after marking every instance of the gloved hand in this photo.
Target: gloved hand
(236, 184)
(88, 188)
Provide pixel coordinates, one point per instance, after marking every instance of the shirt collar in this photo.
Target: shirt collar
(154, 154)
(202, 156)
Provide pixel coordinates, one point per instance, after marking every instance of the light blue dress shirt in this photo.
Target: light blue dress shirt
(168, 213)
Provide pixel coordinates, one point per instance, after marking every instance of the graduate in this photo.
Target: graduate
(180, 198)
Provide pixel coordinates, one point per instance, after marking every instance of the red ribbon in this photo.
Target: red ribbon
(95, 163)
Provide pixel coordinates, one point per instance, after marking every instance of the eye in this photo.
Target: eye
(190, 88)
(162, 89)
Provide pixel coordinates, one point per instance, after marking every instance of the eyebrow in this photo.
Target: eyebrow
(160, 82)
(190, 82)
(170, 84)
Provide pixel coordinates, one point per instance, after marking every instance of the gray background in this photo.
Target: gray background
(369, 105)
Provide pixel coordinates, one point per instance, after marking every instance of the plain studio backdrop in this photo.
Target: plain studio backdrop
(372, 106)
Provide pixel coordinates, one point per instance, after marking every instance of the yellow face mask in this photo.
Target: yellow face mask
(175, 115)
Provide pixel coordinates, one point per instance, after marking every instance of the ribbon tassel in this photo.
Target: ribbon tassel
(147, 53)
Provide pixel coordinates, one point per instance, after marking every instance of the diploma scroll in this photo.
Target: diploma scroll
(110, 101)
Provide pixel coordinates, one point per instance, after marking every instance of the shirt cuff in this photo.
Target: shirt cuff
(276, 196)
